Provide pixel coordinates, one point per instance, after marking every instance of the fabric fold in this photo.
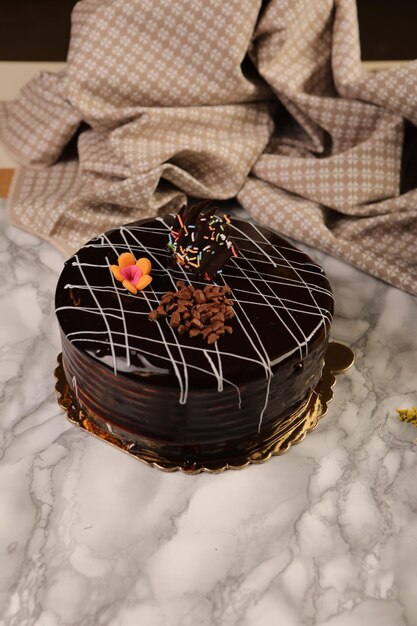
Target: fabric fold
(266, 102)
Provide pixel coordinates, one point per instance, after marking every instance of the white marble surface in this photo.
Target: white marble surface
(324, 535)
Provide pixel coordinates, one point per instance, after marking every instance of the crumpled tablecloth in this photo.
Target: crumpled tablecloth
(266, 102)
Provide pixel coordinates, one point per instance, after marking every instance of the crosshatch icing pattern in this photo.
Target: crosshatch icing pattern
(281, 304)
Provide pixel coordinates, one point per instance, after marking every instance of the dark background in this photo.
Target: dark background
(38, 30)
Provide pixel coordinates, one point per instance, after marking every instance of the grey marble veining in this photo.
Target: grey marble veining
(324, 535)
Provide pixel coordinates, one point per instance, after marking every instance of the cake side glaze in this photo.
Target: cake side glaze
(129, 370)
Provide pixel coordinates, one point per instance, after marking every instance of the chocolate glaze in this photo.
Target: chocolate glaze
(174, 393)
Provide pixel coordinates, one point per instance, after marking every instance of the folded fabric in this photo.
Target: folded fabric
(266, 102)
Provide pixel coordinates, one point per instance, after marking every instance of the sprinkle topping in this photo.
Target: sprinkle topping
(199, 240)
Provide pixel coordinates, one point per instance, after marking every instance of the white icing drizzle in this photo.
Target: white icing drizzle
(272, 307)
(284, 280)
(255, 243)
(104, 237)
(296, 272)
(183, 398)
(106, 289)
(215, 370)
(183, 386)
(156, 300)
(121, 311)
(122, 229)
(264, 361)
(219, 360)
(151, 340)
(248, 273)
(164, 358)
(93, 295)
(276, 312)
(124, 366)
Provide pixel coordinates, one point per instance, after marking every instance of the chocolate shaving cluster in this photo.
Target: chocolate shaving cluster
(197, 311)
(200, 241)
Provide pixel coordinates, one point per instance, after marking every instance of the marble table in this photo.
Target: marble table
(324, 535)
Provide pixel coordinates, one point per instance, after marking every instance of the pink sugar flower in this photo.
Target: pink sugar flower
(134, 275)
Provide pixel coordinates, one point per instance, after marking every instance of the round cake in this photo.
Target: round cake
(192, 392)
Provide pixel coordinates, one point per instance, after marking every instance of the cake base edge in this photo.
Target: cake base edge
(338, 359)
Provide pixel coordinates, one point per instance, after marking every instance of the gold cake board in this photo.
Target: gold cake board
(338, 359)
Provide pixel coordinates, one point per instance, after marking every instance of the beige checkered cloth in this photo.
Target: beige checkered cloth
(265, 102)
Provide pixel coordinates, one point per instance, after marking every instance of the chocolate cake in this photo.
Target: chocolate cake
(139, 362)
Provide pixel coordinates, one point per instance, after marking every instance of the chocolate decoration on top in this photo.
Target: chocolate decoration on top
(203, 312)
(199, 240)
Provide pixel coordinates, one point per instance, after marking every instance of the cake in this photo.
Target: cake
(164, 386)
